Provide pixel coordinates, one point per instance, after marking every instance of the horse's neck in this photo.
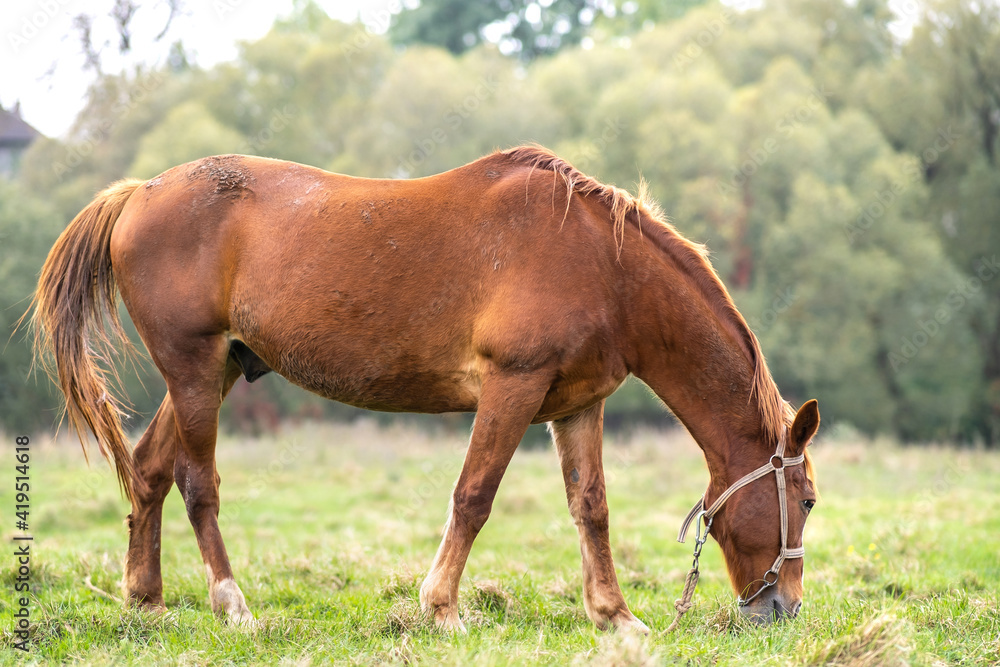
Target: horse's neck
(695, 366)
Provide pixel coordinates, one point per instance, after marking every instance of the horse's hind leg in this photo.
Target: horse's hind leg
(199, 373)
(154, 464)
(154, 457)
(578, 440)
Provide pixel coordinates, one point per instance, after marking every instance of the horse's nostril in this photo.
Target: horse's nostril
(781, 611)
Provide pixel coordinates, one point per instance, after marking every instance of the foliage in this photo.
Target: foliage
(29, 225)
(949, 117)
(845, 181)
(203, 135)
(527, 28)
(331, 529)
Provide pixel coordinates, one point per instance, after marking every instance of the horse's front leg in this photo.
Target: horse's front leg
(578, 440)
(506, 407)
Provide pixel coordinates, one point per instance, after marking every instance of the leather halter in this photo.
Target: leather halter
(777, 465)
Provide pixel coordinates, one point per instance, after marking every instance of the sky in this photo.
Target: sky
(41, 59)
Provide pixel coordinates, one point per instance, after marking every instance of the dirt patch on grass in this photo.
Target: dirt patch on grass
(620, 650)
(403, 618)
(559, 588)
(490, 597)
(880, 641)
(403, 583)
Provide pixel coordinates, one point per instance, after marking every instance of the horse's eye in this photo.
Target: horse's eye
(808, 504)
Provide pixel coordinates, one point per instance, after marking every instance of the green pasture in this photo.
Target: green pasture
(331, 528)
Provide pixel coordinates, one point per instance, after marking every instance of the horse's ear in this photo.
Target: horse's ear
(804, 427)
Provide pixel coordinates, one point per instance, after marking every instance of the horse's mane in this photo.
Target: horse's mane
(691, 258)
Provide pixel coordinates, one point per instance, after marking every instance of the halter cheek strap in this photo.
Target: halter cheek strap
(777, 465)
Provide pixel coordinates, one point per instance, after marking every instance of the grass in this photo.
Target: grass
(330, 530)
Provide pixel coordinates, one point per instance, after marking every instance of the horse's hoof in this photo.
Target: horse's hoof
(152, 610)
(229, 604)
(625, 621)
(445, 618)
(445, 615)
(242, 619)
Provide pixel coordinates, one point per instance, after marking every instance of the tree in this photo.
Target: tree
(29, 226)
(121, 16)
(941, 101)
(527, 28)
(188, 132)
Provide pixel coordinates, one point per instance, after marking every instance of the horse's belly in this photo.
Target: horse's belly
(406, 386)
(388, 388)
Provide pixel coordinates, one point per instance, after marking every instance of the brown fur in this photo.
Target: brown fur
(691, 257)
(515, 287)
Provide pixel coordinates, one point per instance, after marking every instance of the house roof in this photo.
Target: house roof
(14, 131)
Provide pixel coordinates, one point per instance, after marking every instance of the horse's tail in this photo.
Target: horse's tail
(76, 326)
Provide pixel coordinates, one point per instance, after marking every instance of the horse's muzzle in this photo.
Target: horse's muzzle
(770, 608)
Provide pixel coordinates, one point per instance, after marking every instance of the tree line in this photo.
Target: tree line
(844, 177)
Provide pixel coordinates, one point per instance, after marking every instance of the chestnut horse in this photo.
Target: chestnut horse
(515, 287)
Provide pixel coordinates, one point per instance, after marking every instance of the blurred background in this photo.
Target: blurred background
(839, 158)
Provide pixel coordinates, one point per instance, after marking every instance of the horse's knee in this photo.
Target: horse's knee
(157, 486)
(200, 502)
(200, 492)
(473, 509)
(591, 509)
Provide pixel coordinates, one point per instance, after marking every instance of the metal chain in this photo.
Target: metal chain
(683, 604)
(700, 538)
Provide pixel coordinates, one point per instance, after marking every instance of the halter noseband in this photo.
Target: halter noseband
(698, 511)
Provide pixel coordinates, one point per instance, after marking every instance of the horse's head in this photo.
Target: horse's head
(765, 566)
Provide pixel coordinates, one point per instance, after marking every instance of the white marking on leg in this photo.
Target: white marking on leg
(227, 600)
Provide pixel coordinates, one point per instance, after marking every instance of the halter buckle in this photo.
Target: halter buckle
(767, 584)
(701, 529)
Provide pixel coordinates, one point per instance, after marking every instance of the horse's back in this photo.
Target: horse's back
(363, 290)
